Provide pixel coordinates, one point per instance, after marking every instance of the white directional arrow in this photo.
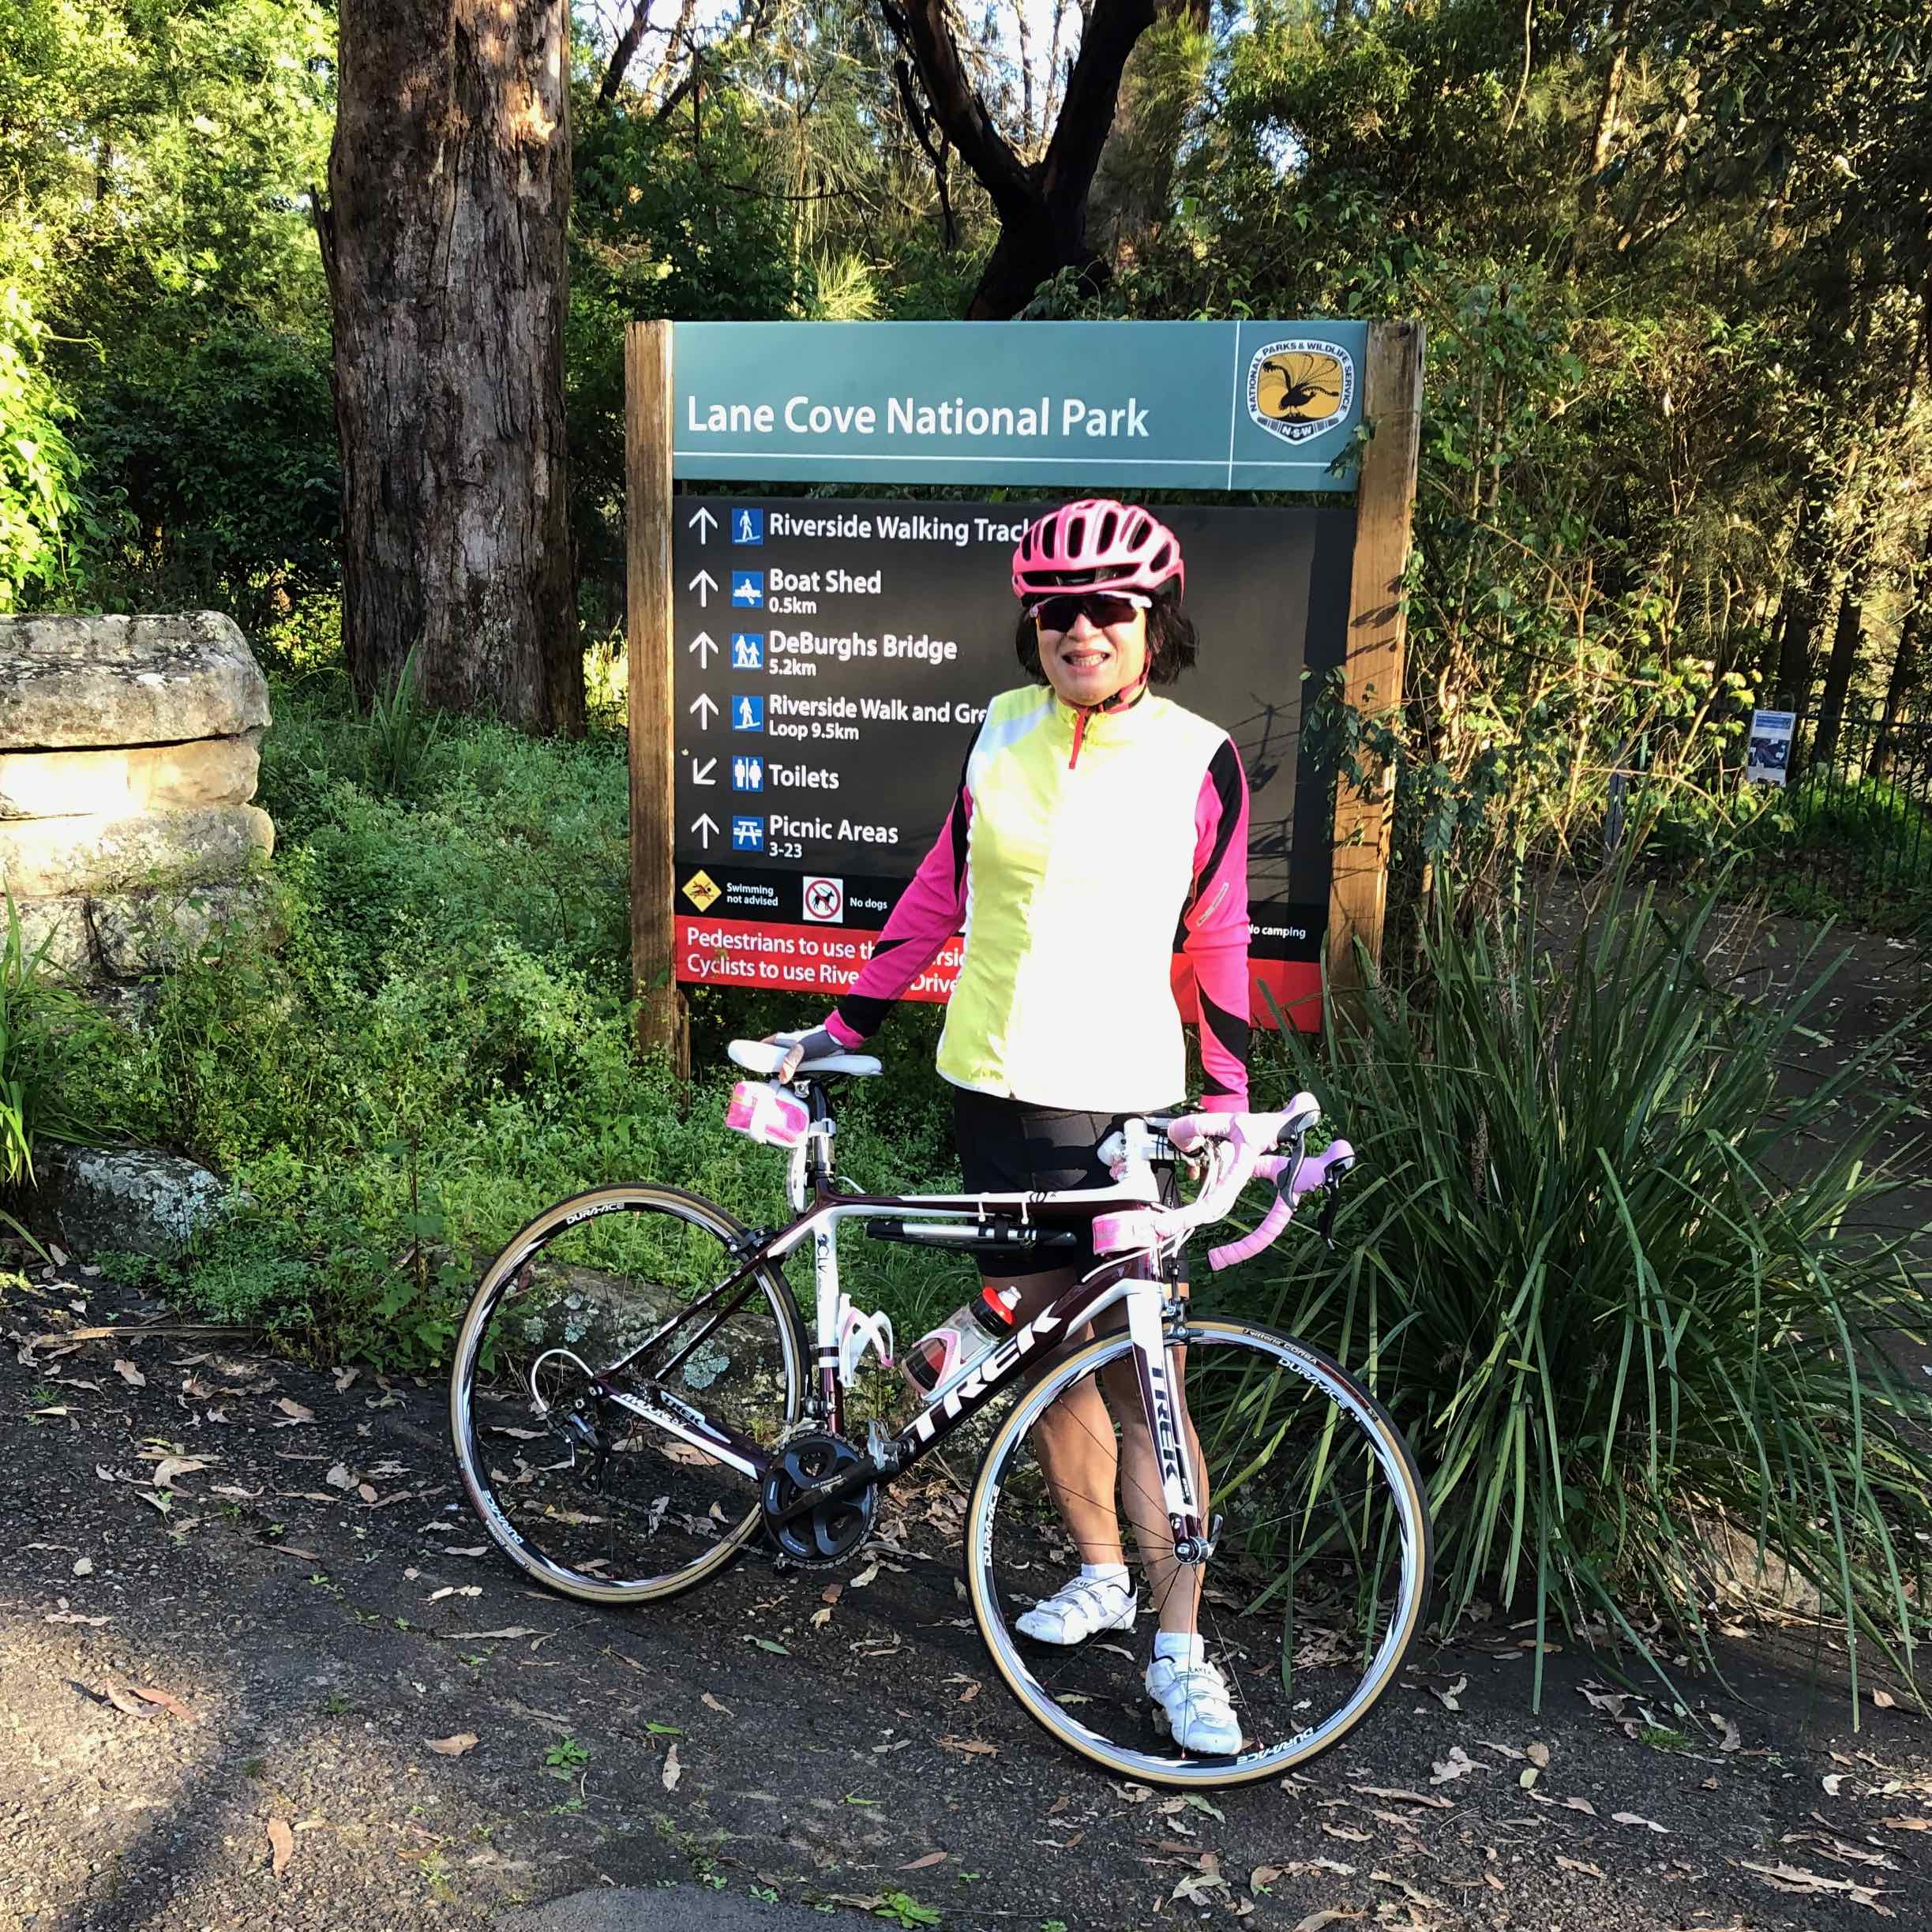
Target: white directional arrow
(704, 644)
(703, 523)
(701, 773)
(704, 825)
(703, 583)
(705, 705)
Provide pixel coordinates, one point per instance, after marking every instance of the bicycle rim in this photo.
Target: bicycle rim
(1316, 1588)
(589, 1499)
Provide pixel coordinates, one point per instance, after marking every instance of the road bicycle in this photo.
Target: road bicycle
(635, 1399)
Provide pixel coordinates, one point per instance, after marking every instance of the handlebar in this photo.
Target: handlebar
(1238, 1148)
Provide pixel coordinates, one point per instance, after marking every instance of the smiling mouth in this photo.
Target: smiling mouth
(1083, 660)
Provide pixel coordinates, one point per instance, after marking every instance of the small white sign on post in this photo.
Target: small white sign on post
(1768, 760)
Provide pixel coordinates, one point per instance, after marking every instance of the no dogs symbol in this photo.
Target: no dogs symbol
(825, 900)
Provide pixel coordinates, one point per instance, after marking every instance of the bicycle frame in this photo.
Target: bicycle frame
(1152, 1303)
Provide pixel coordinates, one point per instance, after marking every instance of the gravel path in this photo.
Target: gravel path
(283, 1684)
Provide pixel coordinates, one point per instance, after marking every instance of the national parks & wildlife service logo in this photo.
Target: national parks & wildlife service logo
(1298, 389)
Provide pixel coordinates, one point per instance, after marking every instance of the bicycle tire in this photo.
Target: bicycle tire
(766, 1376)
(1040, 1679)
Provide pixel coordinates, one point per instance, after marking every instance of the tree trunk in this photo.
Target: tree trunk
(1042, 205)
(443, 242)
(1902, 686)
(1845, 641)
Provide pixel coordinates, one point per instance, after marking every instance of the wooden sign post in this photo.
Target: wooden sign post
(1377, 630)
(663, 1021)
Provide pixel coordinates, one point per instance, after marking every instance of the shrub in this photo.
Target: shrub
(40, 1022)
(1618, 1329)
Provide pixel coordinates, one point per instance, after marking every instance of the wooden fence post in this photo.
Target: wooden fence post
(1378, 628)
(663, 1022)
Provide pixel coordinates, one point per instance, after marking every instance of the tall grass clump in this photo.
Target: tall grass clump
(1623, 1291)
(36, 1010)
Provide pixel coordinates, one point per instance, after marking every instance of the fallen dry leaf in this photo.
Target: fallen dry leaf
(479, 1637)
(1833, 1782)
(453, 1746)
(1412, 1893)
(1448, 1697)
(1797, 1878)
(1884, 1700)
(283, 1840)
(344, 1377)
(866, 1575)
(294, 1410)
(1578, 1865)
(1458, 1764)
(130, 1374)
(1134, 1794)
(673, 1769)
(1907, 1825)
(821, 1617)
(1540, 1756)
(339, 1478)
(167, 1700)
(170, 1469)
(919, 1865)
(972, 1747)
(711, 1704)
(1396, 1793)
(1328, 1915)
(126, 1702)
(1632, 1817)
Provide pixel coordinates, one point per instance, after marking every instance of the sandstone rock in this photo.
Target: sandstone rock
(133, 1199)
(69, 681)
(123, 936)
(112, 784)
(39, 857)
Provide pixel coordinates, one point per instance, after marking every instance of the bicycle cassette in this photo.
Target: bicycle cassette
(830, 1530)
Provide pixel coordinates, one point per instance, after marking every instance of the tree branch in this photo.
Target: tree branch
(621, 55)
(922, 29)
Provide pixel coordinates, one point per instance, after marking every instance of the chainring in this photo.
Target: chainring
(832, 1530)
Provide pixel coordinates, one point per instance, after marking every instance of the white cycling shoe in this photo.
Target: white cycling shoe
(1079, 1610)
(1190, 1702)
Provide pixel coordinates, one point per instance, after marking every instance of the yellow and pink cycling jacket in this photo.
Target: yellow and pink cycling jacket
(1077, 863)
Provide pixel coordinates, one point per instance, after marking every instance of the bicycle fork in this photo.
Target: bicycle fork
(1173, 1453)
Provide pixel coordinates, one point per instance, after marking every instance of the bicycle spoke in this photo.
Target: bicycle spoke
(1313, 1591)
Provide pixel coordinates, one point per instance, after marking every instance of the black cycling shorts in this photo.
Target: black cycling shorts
(1009, 1146)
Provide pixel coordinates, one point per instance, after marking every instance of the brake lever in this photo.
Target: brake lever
(1325, 1226)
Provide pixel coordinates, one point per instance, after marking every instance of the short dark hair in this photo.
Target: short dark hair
(1171, 642)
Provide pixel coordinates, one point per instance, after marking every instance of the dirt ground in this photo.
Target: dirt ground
(239, 1694)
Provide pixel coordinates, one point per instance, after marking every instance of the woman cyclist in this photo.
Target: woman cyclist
(1093, 822)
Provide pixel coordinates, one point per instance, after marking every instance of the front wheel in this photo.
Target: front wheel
(589, 1497)
(1315, 1591)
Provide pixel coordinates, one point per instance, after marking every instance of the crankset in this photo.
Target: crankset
(828, 1531)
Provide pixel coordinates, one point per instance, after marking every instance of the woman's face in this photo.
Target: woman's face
(1089, 663)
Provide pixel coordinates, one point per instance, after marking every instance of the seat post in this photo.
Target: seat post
(820, 1161)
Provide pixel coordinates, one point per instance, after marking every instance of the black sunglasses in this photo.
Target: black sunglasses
(1103, 609)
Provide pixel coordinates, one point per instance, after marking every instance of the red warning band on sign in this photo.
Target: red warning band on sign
(773, 957)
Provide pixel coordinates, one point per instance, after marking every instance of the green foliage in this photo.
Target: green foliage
(43, 1026)
(41, 496)
(402, 733)
(1620, 1333)
(439, 1043)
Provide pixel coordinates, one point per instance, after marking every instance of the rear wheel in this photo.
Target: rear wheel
(1315, 1591)
(586, 1496)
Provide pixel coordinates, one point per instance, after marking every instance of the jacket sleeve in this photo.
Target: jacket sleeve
(1215, 929)
(929, 912)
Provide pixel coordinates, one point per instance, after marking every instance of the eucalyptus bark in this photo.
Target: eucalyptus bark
(1135, 181)
(443, 237)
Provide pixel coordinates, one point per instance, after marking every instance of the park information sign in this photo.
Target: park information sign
(1121, 405)
(808, 673)
(834, 661)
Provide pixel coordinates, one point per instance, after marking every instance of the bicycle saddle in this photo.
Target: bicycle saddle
(761, 1056)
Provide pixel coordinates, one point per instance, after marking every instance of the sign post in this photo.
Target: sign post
(807, 675)
(1377, 634)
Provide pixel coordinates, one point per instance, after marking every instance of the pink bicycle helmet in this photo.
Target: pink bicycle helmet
(1097, 544)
